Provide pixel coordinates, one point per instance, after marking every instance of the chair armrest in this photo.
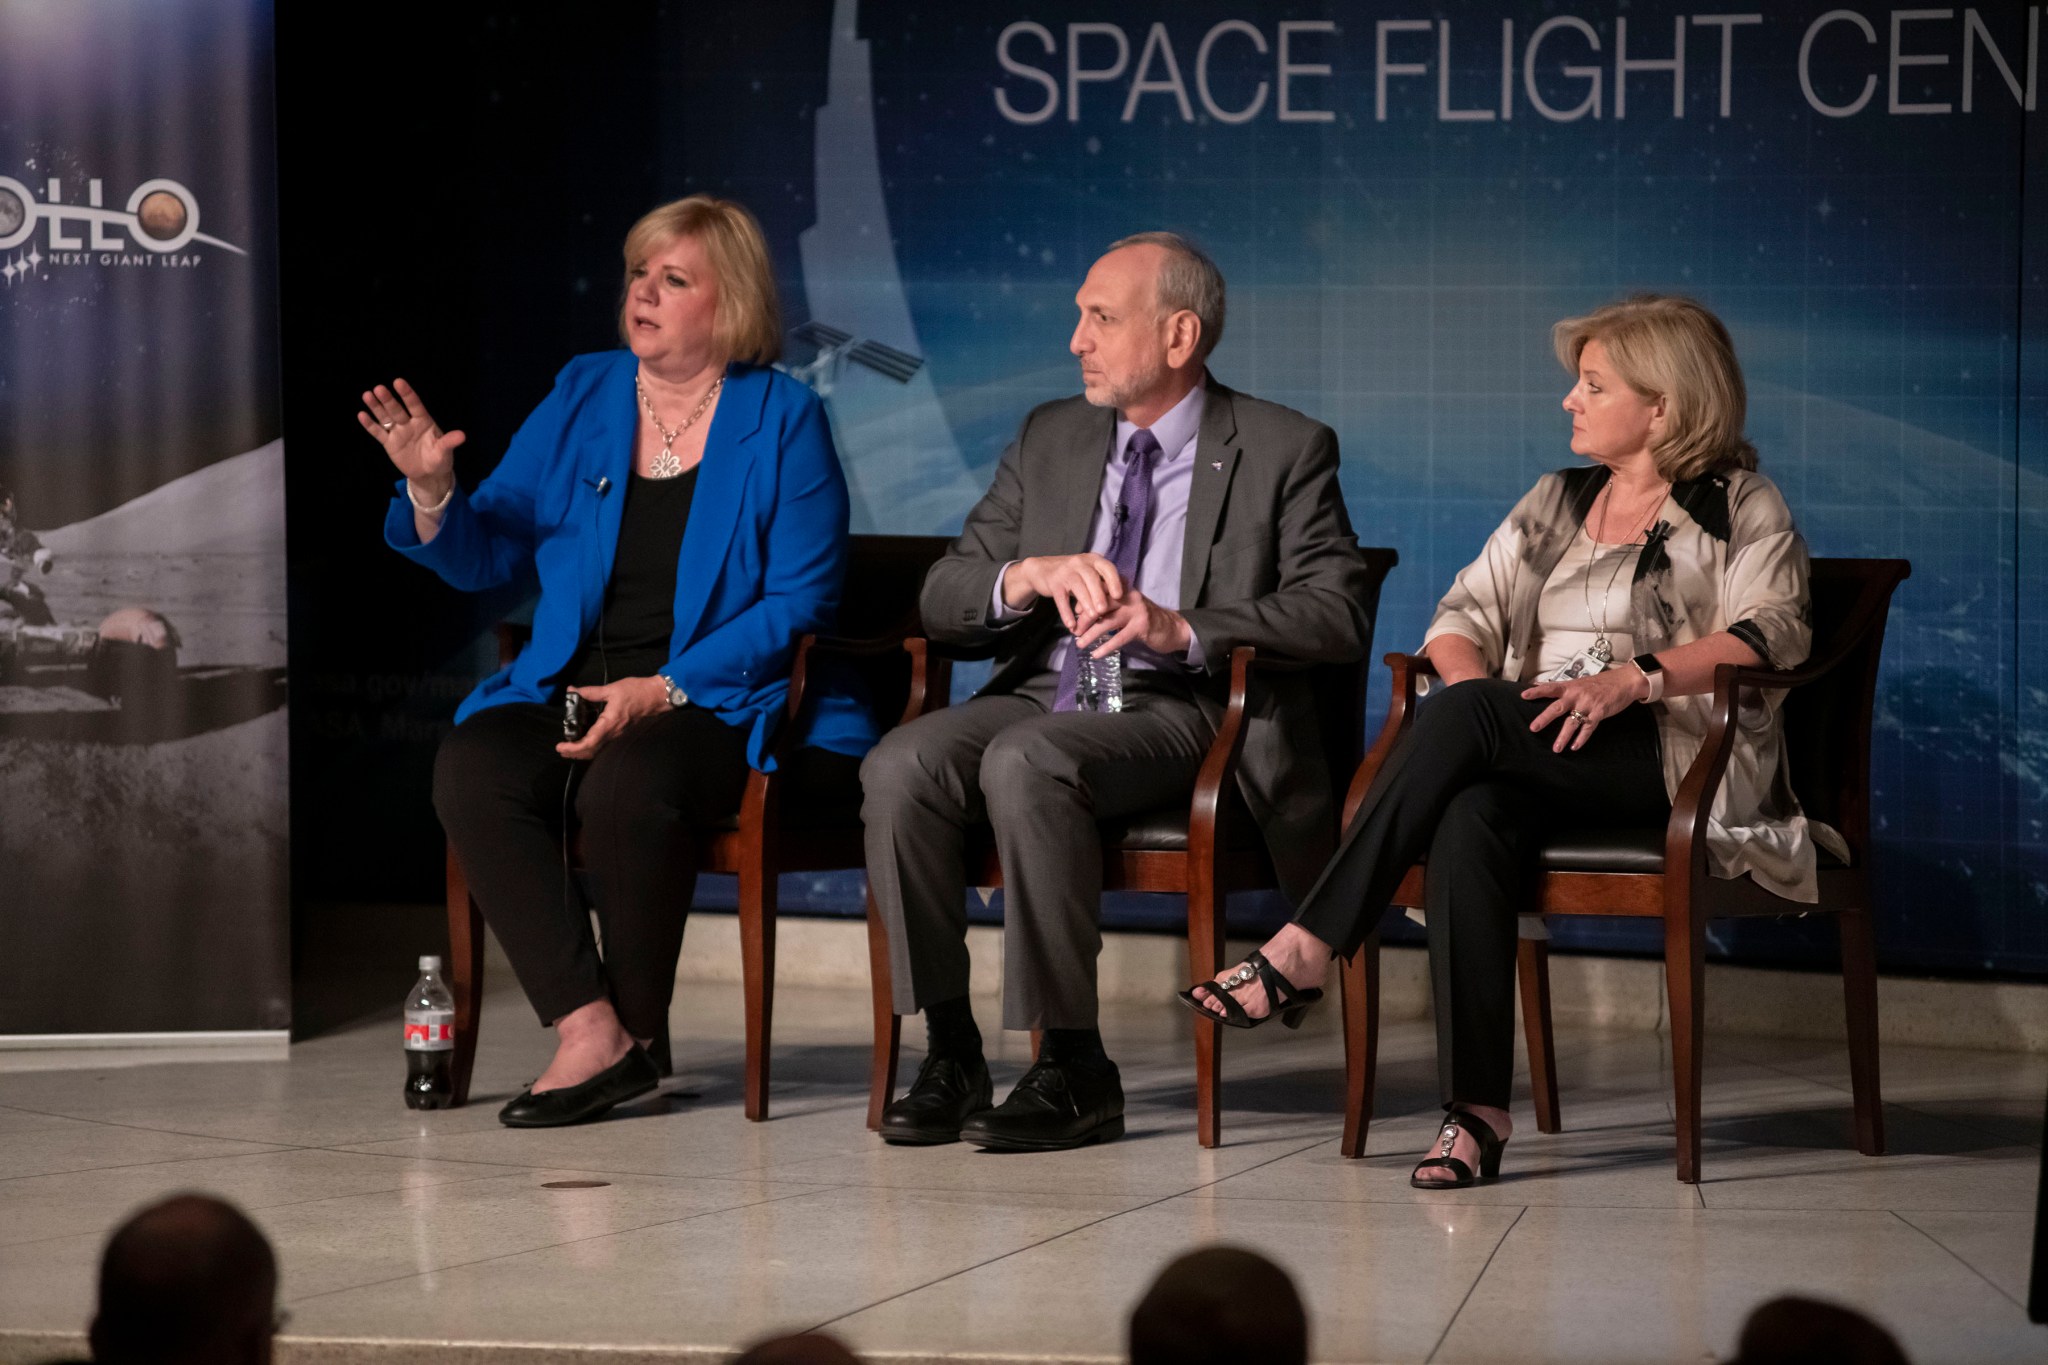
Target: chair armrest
(763, 793)
(931, 672)
(1685, 837)
(844, 647)
(799, 698)
(1218, 775)
(813, 646)
(1407, 670)
(931, 677)
(1275, 663)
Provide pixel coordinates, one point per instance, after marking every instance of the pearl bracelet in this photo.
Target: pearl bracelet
(437, 508)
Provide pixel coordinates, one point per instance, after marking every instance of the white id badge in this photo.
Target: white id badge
(1583, 664)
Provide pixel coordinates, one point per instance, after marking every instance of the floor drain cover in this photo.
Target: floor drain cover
(574, 1184)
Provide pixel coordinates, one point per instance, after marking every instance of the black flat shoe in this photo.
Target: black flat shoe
(1288, 1003)
(1055, 1106)
(628, 1078)
(946, 1093)
(1490, 1148)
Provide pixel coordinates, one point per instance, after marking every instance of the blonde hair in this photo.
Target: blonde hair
(1673, 348)
(748, 323)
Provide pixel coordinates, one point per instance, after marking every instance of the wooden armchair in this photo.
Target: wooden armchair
(777, 829)
(1664, 873)
(1203, 850)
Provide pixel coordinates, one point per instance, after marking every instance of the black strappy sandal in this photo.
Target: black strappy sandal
(1289, 1003)
(1490, 1148)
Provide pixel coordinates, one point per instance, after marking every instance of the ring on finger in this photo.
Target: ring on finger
(1580, 716)
(387, 425)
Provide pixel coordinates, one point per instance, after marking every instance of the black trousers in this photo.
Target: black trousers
(1474, 791)
(502, 793)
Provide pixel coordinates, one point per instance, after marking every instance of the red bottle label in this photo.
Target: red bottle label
(429, 1031)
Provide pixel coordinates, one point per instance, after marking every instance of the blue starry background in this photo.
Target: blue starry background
(1397, 279)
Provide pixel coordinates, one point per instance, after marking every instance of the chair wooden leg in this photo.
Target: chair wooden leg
(1859, 989)
(1685, 964)
(1360, 976)
(1205, 960)
(1532, 964)
(757, 906)
(888, 1026)
(465, 972)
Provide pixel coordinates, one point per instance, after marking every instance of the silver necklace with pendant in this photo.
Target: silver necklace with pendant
(1595, 658)
(668, 464)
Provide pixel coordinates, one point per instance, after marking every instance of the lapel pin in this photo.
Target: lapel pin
(1216, 464)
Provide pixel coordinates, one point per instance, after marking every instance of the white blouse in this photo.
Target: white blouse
(1726, 557)
(1588, 588)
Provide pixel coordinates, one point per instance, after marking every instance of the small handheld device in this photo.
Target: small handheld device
(578, 714)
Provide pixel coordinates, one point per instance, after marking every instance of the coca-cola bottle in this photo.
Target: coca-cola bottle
(429, 1040)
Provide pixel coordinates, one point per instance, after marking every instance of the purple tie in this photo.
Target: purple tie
(1126, 546)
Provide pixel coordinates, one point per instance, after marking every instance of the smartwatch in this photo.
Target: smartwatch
(1653, 671)
(676, 696)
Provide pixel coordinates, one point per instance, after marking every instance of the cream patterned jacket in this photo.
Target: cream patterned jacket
(1724, 555)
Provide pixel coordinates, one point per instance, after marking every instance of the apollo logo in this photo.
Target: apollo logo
(156, 230)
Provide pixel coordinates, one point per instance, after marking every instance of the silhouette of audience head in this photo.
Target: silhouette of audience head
(808, 1348)
(188, 1280)
(1220, 1305)
(1796, 1331)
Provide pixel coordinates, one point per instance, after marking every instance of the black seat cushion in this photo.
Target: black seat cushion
(1604, 850)
(1620, 850)
(1165, 830)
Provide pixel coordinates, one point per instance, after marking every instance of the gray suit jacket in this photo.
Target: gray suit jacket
(1270, 561)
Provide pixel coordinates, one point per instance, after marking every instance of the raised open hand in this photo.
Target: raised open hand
(400, 423)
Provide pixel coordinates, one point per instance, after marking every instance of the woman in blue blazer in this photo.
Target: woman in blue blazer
(685, 514)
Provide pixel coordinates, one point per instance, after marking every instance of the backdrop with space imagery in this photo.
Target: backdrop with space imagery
(144, 874)
(1403, 199)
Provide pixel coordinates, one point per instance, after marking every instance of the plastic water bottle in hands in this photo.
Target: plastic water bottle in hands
(1099, 683)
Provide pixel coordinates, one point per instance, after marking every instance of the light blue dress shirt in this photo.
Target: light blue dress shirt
(1159, 569)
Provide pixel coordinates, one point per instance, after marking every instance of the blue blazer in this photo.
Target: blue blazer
(762, 561)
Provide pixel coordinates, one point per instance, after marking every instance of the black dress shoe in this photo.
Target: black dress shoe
(946, 1092)
(1055, 1106)
(632, 1075)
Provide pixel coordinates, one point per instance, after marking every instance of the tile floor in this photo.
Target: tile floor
(432, 1237)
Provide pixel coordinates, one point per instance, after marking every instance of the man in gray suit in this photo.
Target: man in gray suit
(1162, 515)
